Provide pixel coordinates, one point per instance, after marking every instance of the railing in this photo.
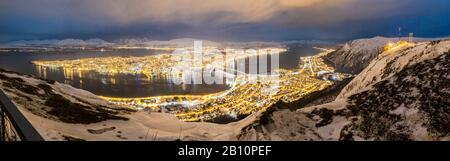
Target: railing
(13, 125)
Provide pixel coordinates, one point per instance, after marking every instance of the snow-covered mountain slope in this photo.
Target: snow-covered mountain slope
(61, 112)
(402, 95)
(355, 55)
(390, 62)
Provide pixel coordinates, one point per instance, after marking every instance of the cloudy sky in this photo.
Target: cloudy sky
(221, 19)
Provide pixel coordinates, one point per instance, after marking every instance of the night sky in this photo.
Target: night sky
(236, 20)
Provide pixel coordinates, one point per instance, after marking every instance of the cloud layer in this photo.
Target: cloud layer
(187, 11)
(134, 17)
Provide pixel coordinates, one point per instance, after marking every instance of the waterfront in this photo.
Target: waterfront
(121, 85)
(248, 94)
(242, 93)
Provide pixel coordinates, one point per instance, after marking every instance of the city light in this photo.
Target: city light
(244, 98)
(397, 45)
(249, 93)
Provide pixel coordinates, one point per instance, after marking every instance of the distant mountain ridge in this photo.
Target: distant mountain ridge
(59, 43)
(182, 42)
(145, 42)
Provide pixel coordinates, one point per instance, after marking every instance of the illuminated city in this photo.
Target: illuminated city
(249, 93)
(224, 70)
(156, 65)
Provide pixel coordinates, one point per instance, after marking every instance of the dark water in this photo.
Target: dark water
(123, 85)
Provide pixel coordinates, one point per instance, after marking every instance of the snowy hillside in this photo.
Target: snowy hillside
(355, 55)
(391, 62)
(403, 94)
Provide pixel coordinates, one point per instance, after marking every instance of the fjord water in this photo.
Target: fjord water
(122, 85)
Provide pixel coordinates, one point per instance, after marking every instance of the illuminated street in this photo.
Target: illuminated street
(150, 66)
(247, 95)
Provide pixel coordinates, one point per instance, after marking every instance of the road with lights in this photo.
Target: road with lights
(249, 93)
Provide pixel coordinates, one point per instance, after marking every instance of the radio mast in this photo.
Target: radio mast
(411, 37)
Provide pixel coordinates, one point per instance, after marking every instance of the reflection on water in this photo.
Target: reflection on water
(126, 85)
(118, 85)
